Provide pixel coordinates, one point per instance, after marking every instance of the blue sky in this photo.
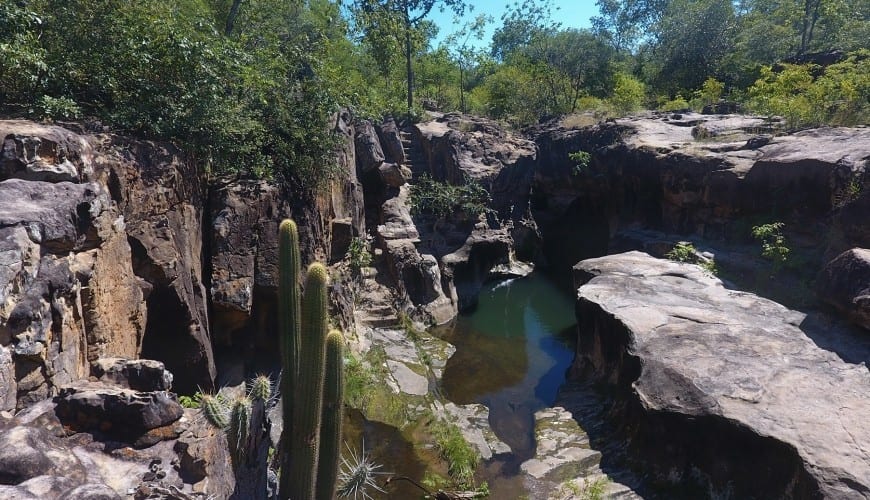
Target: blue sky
(571, 13)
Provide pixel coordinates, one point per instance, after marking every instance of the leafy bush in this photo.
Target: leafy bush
(442, 200)
(61, 108)
(678, 103)
(838, 96)
(773, 244)
(628, 93)
(683, 251)
(358, 254)
(581, 161)
(711, 91)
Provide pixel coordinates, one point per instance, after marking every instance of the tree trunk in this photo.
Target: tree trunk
(410, 72)
(811, 16)
(231, 17)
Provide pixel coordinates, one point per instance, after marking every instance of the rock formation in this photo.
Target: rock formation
(760, 400)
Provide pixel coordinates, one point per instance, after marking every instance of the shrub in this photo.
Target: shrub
(683, 251)
(358, 254)
(773, 244)
(678, 103)
(581, 161)
(442, 200)
(628, 93)
(60, 108)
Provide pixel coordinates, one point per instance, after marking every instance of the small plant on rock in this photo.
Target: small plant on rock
(581, 160)
(358, 254)
(683, 251)
(773, 244)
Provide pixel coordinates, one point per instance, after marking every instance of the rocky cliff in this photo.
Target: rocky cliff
(752, 399)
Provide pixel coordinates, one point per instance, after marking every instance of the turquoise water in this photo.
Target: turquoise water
(511, 355)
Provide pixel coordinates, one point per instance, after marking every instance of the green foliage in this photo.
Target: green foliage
(838, 96)
(461, 457)
(683, 251)
(190, 401)
(358, 254)
(581, 161)
(237, 101)
(444, 200)
(773, 244)
(711, 91)
(628, 93)
(678, 103)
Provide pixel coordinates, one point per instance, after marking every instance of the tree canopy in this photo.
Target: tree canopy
(250, 85)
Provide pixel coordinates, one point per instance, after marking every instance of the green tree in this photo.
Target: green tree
(409, 14)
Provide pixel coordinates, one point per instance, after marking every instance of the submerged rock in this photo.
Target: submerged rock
(760, 401)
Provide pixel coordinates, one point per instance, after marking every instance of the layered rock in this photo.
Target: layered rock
(459, 147)
(759, 400)
(689, 174)
(68, 293)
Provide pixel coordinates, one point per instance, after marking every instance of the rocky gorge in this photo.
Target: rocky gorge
(128, 273)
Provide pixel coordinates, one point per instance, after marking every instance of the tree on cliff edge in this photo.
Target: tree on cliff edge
(409, 14)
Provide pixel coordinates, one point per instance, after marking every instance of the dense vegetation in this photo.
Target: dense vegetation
(251, 84)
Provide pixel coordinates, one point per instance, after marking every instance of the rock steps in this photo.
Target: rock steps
(375, 299)
(413, 154)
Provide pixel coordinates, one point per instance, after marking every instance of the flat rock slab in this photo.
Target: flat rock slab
(697, 352)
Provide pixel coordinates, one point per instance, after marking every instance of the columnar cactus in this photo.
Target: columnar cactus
(288, 335)
(330, 425)
(309, 391)
(303, 326)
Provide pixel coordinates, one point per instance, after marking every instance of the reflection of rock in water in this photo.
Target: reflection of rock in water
(483, 365)
(387, 447)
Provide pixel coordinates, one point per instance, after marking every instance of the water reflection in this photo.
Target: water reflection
(511, 355)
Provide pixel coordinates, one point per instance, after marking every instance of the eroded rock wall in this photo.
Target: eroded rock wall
(709, 176)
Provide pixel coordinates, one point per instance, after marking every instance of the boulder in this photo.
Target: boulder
(734, 387)
(391, 142)
(123, 414)
(369, 154)
(844, 283)
(40, 457)
(136, 374)
(40, 152)
(394, 175)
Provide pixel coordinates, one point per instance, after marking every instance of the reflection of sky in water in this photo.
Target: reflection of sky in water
(511, 357)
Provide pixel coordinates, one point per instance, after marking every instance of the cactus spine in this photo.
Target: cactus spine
(214, 411)
(330, 425)
(288, 335)
(309, 391)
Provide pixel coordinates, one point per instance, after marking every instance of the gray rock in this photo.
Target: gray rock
(393, 174)
(136, 374)
(391, 142)
(845, 284)
(123, 414)
(39, 152)
(725, 382)
(369, 154)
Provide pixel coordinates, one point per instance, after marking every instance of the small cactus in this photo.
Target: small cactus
(239, 428)
(261, 388)
(214, 410)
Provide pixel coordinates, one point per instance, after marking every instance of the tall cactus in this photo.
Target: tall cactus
(330, 425)
(309, 391)
(288, 334)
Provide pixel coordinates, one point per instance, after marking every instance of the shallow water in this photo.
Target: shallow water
(511, 355)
